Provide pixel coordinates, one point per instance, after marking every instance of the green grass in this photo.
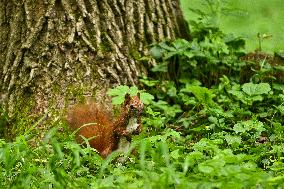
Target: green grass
(250, 17)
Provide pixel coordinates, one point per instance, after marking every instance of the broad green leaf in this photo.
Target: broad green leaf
(233, 140)
(172, 133)
(256, 89)
(217, 162)
(166, 47)
(205, 168)
(162, 67)
(181, 44)
(146, 98)
(171, 54)
(255, 126)
(118, 94)
(203, 94)
(149, 83)
(157, 52)
(172, 91)
(118, 91)
(278, 86)
(189, 54)
(213, 119)
(133, 90)
(175, 154)
(280, 108)
(239, 128)
(168, 109)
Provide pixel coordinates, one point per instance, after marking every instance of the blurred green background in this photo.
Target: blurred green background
(248, 18)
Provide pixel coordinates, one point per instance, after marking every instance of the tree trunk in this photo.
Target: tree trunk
(49, 49)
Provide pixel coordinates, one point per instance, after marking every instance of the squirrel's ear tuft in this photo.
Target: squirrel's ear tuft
(127, 98)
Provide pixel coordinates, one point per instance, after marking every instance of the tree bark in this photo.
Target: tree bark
(53, 49)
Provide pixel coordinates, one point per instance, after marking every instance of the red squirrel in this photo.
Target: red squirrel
(104, 133)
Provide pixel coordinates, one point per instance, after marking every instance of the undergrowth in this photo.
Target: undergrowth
(202, 127)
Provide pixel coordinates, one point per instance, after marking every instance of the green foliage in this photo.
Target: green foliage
(254, 20)
(52, 164)
(256, 89)
(229, 128)
(119, 93)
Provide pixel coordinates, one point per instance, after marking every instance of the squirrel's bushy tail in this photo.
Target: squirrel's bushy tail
(93, 123)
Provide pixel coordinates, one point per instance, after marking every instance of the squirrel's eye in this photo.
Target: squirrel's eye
(131, 107)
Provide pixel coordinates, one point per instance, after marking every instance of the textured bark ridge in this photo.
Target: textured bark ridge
(49, 48)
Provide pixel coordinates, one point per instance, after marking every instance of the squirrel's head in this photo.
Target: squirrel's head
(133, 107)
(133, 104)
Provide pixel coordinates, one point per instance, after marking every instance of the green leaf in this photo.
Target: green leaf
(161, 67)
(233, 140)
(148, 82)
(205, 169)
(239, 128)
(172, 91)
(118, 91)
(172, 133)
(133, 91)
(256, 89)
(166, 47)
(157, 52)
(181, 44)
(203, 94)
(255, 126)
(168, 110)
(118, 94)
(169, 55)
(280, 108)
(175, 154)
(146, 98)
(189, 54)
(278, 86)
(213, 119)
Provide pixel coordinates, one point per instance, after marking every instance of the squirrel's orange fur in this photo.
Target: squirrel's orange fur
(96, 124)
